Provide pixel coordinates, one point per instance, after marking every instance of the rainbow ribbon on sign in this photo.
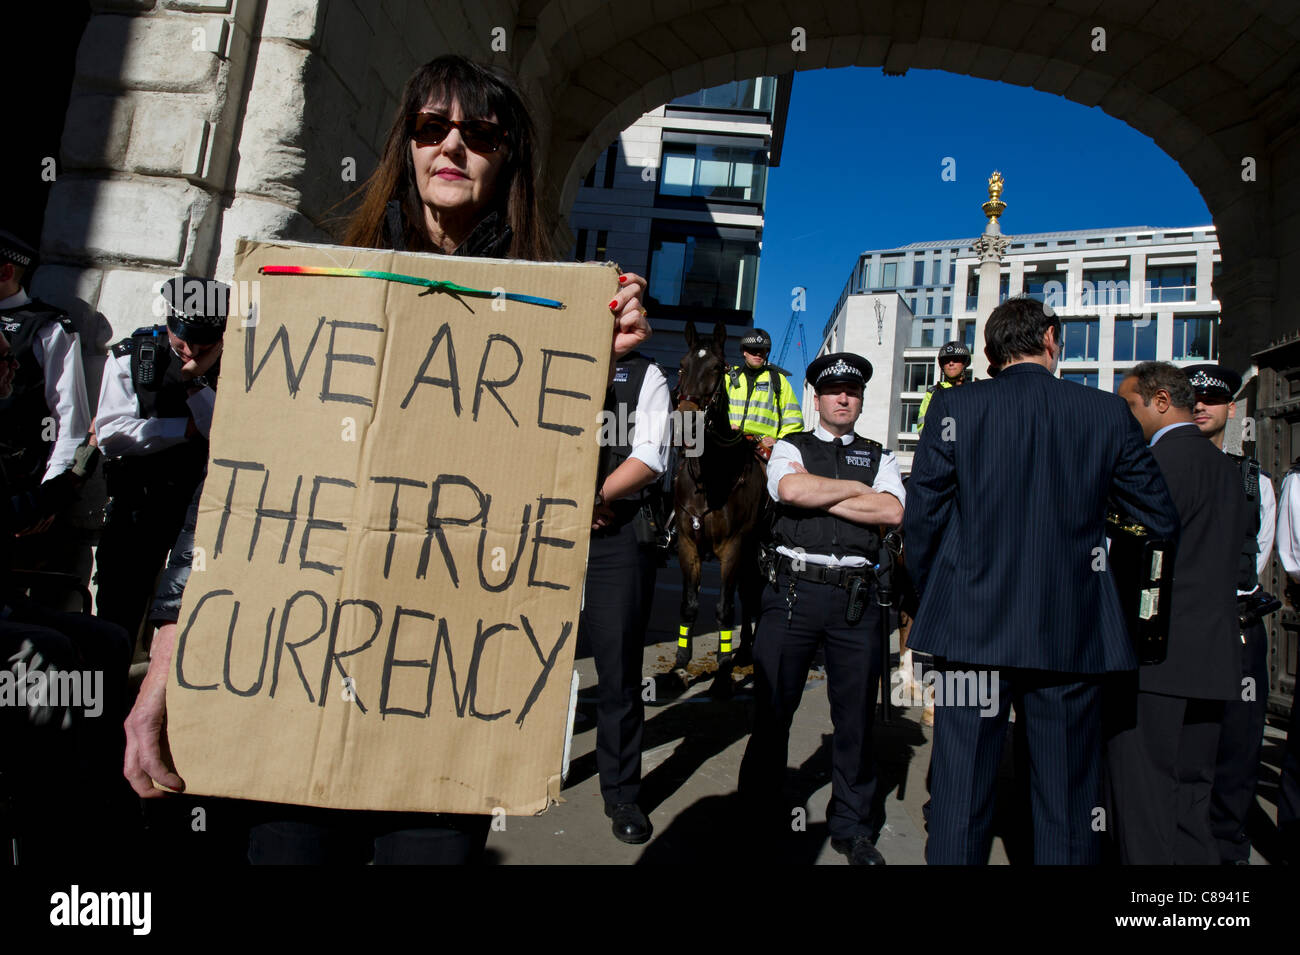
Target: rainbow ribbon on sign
(432, 284)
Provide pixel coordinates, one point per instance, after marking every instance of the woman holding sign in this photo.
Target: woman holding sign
(456, 177)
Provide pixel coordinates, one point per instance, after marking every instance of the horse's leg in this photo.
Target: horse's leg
(688, 555)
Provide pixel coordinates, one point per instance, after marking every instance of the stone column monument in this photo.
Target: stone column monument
(989, 247)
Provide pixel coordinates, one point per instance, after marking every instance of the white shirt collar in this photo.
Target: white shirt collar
(1167, 428)
(14, 301)
(824, 435)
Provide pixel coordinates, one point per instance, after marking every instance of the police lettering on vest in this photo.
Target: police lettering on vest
(818, 531)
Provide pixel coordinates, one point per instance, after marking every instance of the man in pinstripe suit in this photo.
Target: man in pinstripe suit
(1004, 530)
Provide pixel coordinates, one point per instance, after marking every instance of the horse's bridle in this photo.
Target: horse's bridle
(725, 441)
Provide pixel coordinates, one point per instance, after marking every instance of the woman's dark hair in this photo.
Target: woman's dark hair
(481, 91)
(1153, 376)
(1015, 330)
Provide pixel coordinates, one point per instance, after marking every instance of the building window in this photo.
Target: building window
(602, 242)
(918, 375)
(947, 305)
(1104, 287)
(888, 274)
(972, 291)
(713, 172)
(580, 254)
(1048, 287)
(1088, 378)
(1194, 338)
(952, 273)
(1135, 339)
(1120, 375)
(918, 272)
(1080, 339)
(755, 94)
(702, 271)
(1171, 283)
(911, 410)
(1004, 287)
(914, 304)
(967, 335)
(611, 159)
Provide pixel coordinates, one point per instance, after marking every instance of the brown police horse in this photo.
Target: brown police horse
(720, 496)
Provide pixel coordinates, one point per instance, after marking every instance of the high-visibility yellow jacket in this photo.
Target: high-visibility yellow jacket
(925, 403)
(764, 404)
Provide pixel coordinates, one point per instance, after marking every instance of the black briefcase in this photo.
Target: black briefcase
(1143, 568)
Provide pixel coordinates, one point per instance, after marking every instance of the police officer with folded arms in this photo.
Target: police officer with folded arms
(1242, 732)
(832, 490)
(155, 413)
(48, 410)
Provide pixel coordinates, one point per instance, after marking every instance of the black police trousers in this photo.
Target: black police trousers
(1241, 737)
(616, 605)
(783, 651)
(140, 530)
(303, 835)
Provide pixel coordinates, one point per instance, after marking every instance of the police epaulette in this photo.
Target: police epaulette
(58, 314)
(872, 442)
(122, 348)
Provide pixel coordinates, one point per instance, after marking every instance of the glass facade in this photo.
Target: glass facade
(911, 411)
(1171, 283)
(1104, 287)
(1080, 338)
(918, 375)
(1088, 378)
(1194, 338)
(753, 94)
(1048, 287)
(702, 271)
(888, 274)
(713, 172)
(1135, 339)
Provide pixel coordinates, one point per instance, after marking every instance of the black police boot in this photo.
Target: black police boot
(630, 823)
(860, 850)
(683, 658)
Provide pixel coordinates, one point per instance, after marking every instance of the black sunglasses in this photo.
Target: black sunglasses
(430, 129)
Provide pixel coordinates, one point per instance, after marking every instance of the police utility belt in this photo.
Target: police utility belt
(820, 573)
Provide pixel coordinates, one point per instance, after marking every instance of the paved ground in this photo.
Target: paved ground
(692, 751)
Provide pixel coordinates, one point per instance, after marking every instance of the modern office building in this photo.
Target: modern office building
(1124, 295)
(679, 199)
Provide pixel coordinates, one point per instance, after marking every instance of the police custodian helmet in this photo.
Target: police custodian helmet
(954, 351)
(1213, 381)
(756, 341)
(196, 308)
(837, 367)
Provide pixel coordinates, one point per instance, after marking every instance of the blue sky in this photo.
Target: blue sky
(861, 165)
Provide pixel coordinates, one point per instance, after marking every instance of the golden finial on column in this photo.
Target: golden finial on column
(995, 206)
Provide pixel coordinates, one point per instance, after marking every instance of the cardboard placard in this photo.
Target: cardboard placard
(393, 534)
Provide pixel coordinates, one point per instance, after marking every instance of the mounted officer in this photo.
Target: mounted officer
(954, 357)
(760, 399)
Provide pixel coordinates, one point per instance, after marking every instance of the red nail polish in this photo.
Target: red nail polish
(612, 304)
(622, 279)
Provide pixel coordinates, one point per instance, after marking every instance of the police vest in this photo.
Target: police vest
(616, 441)
(1247, 575)
(160, 392)
(757, 403)
(816, 531)
(24, 450)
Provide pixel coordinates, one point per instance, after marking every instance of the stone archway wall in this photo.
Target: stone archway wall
(173, 152)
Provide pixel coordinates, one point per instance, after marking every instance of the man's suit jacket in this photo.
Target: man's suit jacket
(1005, 513)
(1204, 658)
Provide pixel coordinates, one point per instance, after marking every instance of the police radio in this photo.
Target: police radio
(147, 368)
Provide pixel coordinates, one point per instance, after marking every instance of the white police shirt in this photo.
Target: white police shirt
(59, 355)
(117, 423)
(1288, 526)
(651, 434)
(889, 480)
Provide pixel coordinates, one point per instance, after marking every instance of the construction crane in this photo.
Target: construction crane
(795, 320)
